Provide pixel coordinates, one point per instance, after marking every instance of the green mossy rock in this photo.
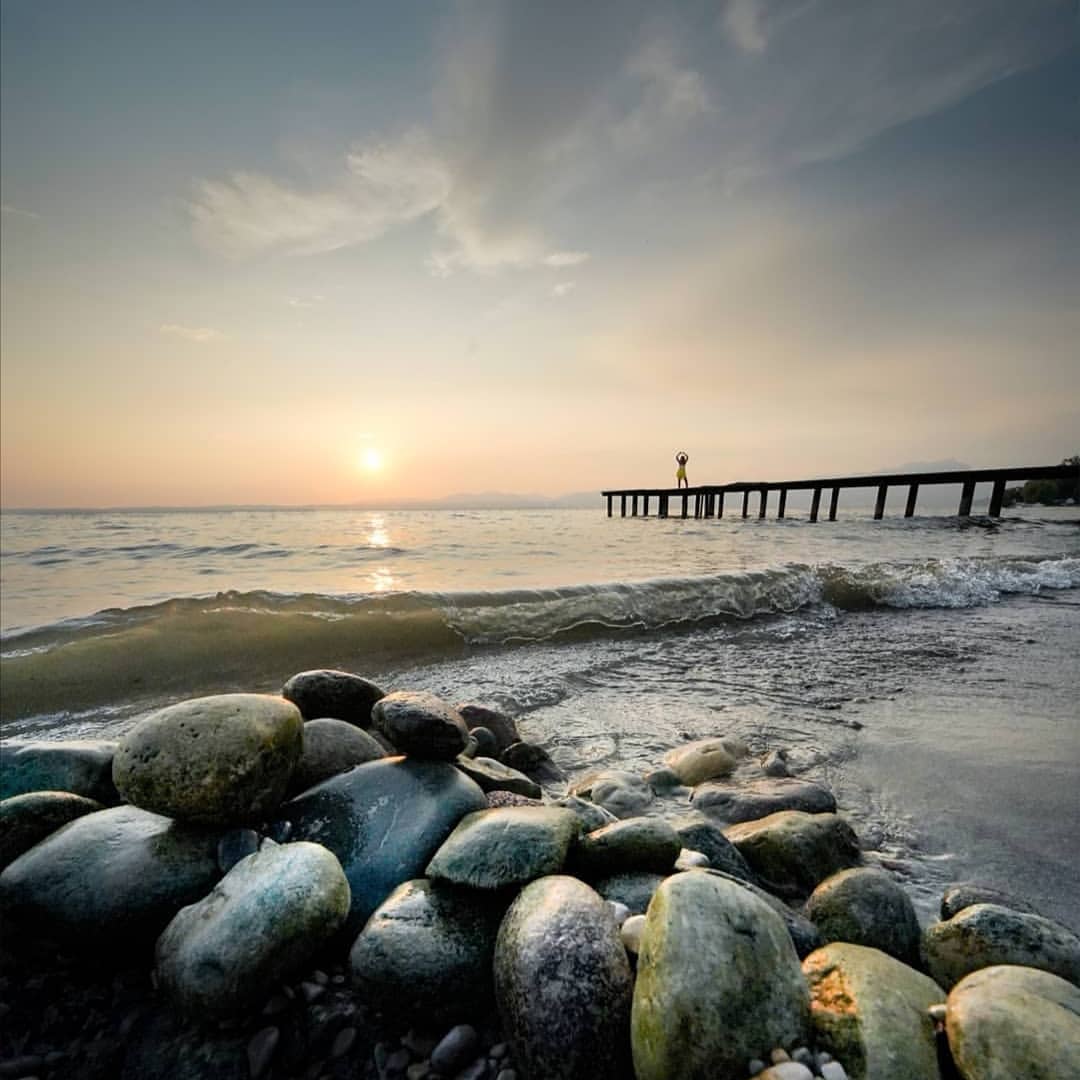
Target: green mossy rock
(638, 844)
(25, 820)
(82, 767)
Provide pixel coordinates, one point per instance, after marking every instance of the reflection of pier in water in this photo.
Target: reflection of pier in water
(708, 500)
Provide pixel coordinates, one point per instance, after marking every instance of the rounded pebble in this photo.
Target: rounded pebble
(937, 1013)
(787, 1070)
(343, 1042)
(755, 1066)
(833, 1070)
(631, 931)
(454, 1049)
(261, 1049)
(620, 911)
(778, 1055)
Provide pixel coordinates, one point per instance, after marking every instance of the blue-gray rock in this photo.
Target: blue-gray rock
(265, 920)
(501, 726)
(563, 983)
(493, 775)
(335, 695)
(699, 834)
(774, 763)
(225, 759)
(25, 820)
(110, 878)
(592, 817)
(534, 761)
(486, 743)
(624, 794)
(420, 725)
(331, 747)
(235, 845)
(634, 890)
(965, 894)
(455, 1049)
(638, 844)
(665, 781)
(82, 767)
(732, 803)
(383, 820)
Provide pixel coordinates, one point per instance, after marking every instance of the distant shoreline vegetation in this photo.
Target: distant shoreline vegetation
(1047, 492)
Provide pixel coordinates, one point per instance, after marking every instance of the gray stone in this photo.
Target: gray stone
(426, 952)
(774, 763)
(110, 878)
(331, 747)
(532, 760)
(870, 1011)
(494, 849)
(421, 725)
(664, 781)
(703, 759)
(260, 1050)
(832, 1070)
(508, 798)
(639, 844)
(383, 820)
(25, 820)
(699, 834)
(634, 890)
(718, 981)
(630, 933)
(733, 803)
(787, 1070)
(1006, 1022)
(235, 845)
(965, 894)
(501, 726)
(864, 906)
(493, 775)
(791, 852)
(81, 767)
(486, 743)
(455, 1049)
(624, 794)
(691, 860)
(985, 935)
(225, 759)
(563, 983)
(336, 695)
(592, 817)
(167, 1048)
(263, 923)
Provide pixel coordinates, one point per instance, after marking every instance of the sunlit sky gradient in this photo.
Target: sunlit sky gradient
(531, 247)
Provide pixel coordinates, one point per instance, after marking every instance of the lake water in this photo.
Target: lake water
(924, 668)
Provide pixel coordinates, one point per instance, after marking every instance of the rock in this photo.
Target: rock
(508, 798)
(26, 820)
(563, 983)
(111, 878)
(502, 727)
(264, 922)
(634, 890)
(869, 1010)
(493, 775)
(624, 794)
(533, 760)
(592, 817)
(640, 844)
(235, 845)
(718, 981)
(865, 906)
(455, 1049)
(786, 1070)
(699, 834)
(630, 933)
(335, 695)
(698, 761)
(985, 935)
(619, 912)
(225, 759)
(792, 852)
(331, 747)
(1006, 1022)
(759, 798)
(383, 820)
(167, 1048)
(494, 849)
(427, 951)
(261, 1049)
(965, 894)
(691, 860)
(774, 763)
(486, 743)
(421, 725)
(664, 781)
(81, 767)
(832, 1070)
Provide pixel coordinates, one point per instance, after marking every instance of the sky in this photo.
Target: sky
(315, 253)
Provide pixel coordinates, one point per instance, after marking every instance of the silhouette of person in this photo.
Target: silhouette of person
(680, 474)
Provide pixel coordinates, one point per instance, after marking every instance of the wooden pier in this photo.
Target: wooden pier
(708, 501)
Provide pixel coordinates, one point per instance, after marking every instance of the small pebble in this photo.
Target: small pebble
(833, 1070)
(631, 932)
(937, 1013)
(277, 1004)
(499, 1050)
(338, 980)
(418, 1070)
(343, 1042)
(755, 1066)
(311, 991)
(787, 1070)
(779, 1055)
(320, 977)
(822, 1058)
(380, 1054)
(803, 1057)
(21, 1066)
(476, 1071)
(398, 1061)
(690, 860)
(419, 1045)
(620, 911)
(455, 1049)
(261, 1049)
(506, 1074)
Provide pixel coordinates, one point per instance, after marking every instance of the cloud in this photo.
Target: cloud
(13, 211)
(305, 302)
(199, 334)
(563, 288)
(742, 24)
(566, 258)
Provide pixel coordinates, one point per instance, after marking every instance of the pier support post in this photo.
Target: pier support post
(912, 495)
(635, 506)
(815, 504)
(997, 497)
(967, 493)
(783, 503)
(764, 502)
(661, 509)
(685, 501)
(745, 502)
(719, 504)
(879, 506)
(834, 499)
(609, 506)
(623, 500)
(645, 512)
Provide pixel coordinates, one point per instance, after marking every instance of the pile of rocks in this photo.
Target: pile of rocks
(343, 882)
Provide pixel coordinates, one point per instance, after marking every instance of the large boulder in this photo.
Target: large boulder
(509, 845)
(647, 844)
(420, 725)
(792, 852)
(425, 954)
(718, 982)
(493, 775)
(699, 834)
(622, 793)
(563, 983)
(965, 894)
(870, 1012)
(1006, 1022)
(733, 803)
(331, 747)
(383, 820)
(214, 760)
(987, 934)
(865, 906)
(696, 762)
(82, 767)
(25, 820)
(111, 878)
(335, 695)
(265, 920)
(635, 889)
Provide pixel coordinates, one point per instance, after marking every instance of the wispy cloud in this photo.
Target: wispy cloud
(13, 211)
(198, 334)
(742, 24)
(563, 288)
(305, 302)
(566, 258)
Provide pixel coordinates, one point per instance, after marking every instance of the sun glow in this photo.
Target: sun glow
(371, 460)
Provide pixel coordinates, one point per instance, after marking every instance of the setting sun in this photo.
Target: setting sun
(372, 460)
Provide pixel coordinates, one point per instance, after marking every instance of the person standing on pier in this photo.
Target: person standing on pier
(680, 474)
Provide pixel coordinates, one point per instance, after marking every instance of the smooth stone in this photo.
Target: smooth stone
(486, 743)
(619, 912)
(331, 747)
(384, 820)
(493, 775)
(965, 894)
(774, 763)
(787, 1070)
(792, 852)
(592, 817)
(26, 820)
(260, 1050)
(455, 1049)
(985, 935)
(225, 759)
(167, 1047)
(634, 890)
(718, 981)
(870, 1011)
(81, 767)
(563, 983)
(865, 906)
(691, 860)
(624, 794)
(335, 695)
(664, 781)
(703, 759)
(630, 933)
(833, 1070)
(235, 845)
(494, 849)
(699, 834)
(112, 877)
(758, 798)
(1007, 1022)
(426, 952)
(532, 760)
(638, 844)
(263, 923)
(501, 726)
(508, 798)
(421, 725)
